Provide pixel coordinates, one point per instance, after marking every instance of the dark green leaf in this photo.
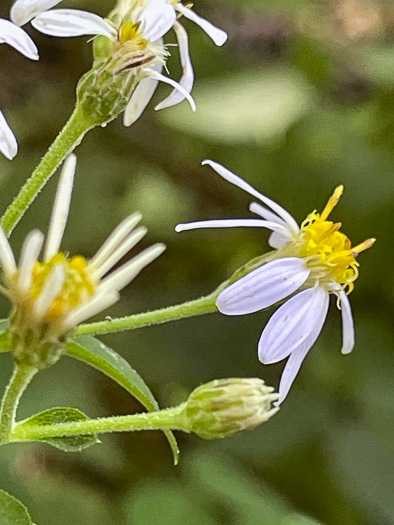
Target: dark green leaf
(53, 416)
(97, 354)
(12, 511)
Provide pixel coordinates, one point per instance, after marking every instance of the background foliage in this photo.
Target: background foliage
(299, 100)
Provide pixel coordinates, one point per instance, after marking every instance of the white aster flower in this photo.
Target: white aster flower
(136, 30)
(53, 296)
(14, 36)
(311, 262)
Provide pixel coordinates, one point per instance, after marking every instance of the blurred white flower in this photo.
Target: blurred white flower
(14, 36)
(315, 258)
(136, 29)
(51, 297)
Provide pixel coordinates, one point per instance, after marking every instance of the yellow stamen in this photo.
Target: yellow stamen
(332, 202)
(363, 246)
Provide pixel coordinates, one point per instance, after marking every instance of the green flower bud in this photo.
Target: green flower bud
(226, 406)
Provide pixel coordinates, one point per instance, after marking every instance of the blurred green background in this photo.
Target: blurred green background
(300, 99)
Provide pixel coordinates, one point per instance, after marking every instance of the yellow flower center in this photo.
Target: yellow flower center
(129, 31)
(79, 284)
(328, 251)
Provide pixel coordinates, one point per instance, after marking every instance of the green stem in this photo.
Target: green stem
(21, 377)
(205, 305)
(68, 139)
(171, 418)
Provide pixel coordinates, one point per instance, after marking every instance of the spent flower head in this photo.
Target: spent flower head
(226, 406)
(310, 262)
(16, 37)
(50, 297)
(130, 40)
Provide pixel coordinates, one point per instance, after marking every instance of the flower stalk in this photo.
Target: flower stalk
(21, 377)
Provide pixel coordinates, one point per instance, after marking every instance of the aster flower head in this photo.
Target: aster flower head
(52, 296)
(310, 262)
(16, 37)
(132, 39)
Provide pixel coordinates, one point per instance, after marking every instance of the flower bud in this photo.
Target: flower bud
(226, 406)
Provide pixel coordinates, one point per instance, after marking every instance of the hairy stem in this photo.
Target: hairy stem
(162, 420)
(21, 377)
(68, 139)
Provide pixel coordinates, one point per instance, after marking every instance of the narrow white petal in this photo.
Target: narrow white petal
(7, 258)
(24, 10)
(115, 239)
(8, 143)
(30, 251)
(16, 37)
(263, 287)
(96, 305)
(157, 19)
(72, 22)
(347, 324)
(174, 84)
(230, 223)
(258, 209)
(126, 273)
(300, 319)
(124, 248)
(51, 290)
(237, 181)
(291, 370)
(187, 79)
(140, 98)
(218, 35)
(61, 208)
(276, 240)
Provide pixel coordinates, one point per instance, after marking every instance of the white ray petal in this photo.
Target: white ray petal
(230, 223)
(124, 248)
(8, 143)
(7, 258)
(24, 10)
(157, 19)
(30, 251)
(292, 368)
(140, 98)
(73, 22)
(348, 338)
(61, 208)
(187, 79)
(51, 290)
(126, 273)
(218, 35)
(237, 181)
(276, 240)
(115, 240)
(258, 209)
(96, 305)
(174, 84)
(16, 37)
(294, 323)
(263, 287)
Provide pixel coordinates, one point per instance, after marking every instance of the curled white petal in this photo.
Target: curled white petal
(24, 10)
(237, 181)
(230, 223)
(140, 98)
(7, 258)
(218, 35)
(348, 337)
(8, 143)
(16, 37)
(158, 76)
(157, 19)
(61, 208)
(276, 240)
(294, 323)
(263, 287)
(187, 79)
(51, 290)
(30, 251)
(72, 22)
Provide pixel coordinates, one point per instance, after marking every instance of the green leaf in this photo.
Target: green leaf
(4, 346)
(53, 416)
(12, 511)
(97, 354)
